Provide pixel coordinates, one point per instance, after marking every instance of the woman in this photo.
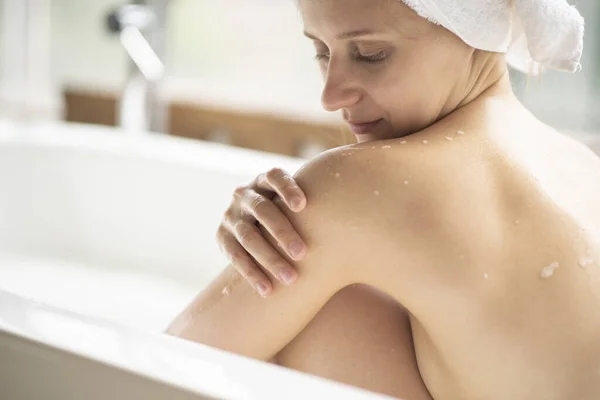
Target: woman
(452, 253)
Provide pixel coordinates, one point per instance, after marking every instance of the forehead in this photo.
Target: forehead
(340, 11)
(329, 17)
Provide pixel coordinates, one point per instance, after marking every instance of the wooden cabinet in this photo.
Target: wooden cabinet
(254, 131)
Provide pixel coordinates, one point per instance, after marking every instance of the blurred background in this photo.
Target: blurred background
(235, 71)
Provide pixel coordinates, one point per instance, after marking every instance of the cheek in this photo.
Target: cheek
(408, 101)
(396, 89)
(415, 85)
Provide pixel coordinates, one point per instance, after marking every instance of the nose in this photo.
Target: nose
(340, 91)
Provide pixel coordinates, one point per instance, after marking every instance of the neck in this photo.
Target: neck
(488, 77)
(492, 80)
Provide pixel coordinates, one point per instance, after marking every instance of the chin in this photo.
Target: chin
(365, 138)
(373, 136)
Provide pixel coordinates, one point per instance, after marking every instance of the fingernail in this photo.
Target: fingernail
(287, 276)
(296, 249)
(262, 289)
(296, 202)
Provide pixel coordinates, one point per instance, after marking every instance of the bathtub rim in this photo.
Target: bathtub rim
(243, 378)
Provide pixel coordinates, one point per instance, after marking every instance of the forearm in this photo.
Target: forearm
(229, 315)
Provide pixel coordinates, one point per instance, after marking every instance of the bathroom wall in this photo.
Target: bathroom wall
(248, 54)
(569, 101)
(253, 55)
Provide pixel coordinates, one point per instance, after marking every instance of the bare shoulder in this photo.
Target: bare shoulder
(366, 184)
(362, 200)
(340, 187)
(354, 179)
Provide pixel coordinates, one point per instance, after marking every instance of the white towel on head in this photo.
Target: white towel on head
(533, 33)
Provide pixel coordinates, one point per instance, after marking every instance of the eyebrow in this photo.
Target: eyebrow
(345, 35)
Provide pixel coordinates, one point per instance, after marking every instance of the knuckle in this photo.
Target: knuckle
(244, 232)
(239, 191)
(230, 215)
(260, 205)
(275, 173)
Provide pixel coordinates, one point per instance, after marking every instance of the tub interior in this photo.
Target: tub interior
(117, 227)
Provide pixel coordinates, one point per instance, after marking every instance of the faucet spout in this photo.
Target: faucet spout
(141, 30)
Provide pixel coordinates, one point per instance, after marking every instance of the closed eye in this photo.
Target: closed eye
(372, 58)
(321, 56)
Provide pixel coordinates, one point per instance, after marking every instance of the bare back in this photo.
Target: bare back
(485, 228)
(504, 290)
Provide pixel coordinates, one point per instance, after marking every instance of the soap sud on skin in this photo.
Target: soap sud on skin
(425, 142)
(406, 182)
(460, 133)
(448, 138)
(226, 291)
(403, 142)
(386, 147)
(486, 276)
(548, 271)
(584, 262)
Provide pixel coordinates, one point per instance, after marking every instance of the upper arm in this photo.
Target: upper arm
(230, 315)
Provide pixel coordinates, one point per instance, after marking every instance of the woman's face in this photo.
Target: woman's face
(382, 62)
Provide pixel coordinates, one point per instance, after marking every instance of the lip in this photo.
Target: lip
(363, 128)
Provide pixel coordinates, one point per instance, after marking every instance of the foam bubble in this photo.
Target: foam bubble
(548, 271)
(584, 262)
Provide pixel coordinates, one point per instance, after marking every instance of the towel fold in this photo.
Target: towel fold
(534, 34)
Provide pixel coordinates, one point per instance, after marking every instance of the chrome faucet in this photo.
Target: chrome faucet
(141, 29)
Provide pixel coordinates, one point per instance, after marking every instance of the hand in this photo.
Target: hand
(241, 240)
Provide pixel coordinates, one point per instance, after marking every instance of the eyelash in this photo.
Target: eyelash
(374, 59)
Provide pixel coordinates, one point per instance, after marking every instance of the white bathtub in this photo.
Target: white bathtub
(103, 239)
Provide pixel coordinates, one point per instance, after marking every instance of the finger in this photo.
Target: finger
(247, 268)
(234, 214)
(261, 250)
(239, 192)
(285, 186)
(276, 222)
